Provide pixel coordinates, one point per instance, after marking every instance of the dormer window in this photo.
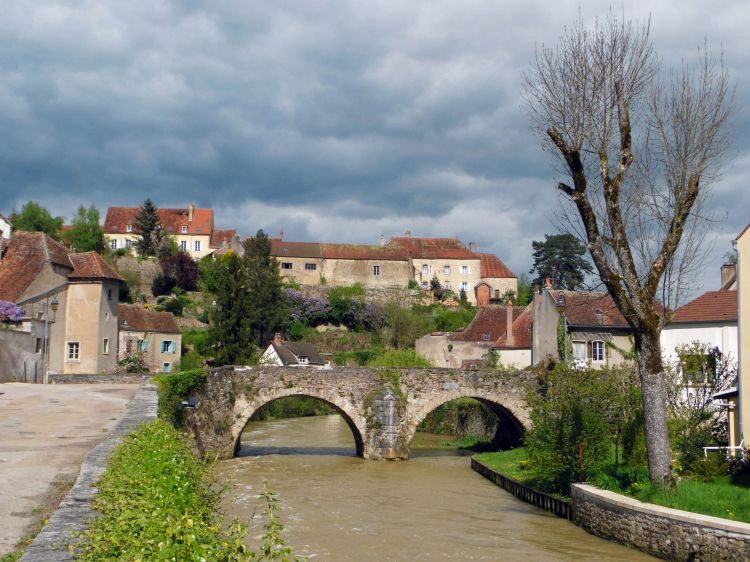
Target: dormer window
(184, 228)
(303, 360)
(129, 228)
(486, 337)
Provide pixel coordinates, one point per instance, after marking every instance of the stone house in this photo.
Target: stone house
(502, 329)
(597, 335)
(70, 303)
(281, 353)
(154, 334)
(497, 280)
(192, 229)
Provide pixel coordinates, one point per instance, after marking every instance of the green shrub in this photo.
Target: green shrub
(175, 306)
(174, 388)
(190, 361)
(413, 284)
(399, 358)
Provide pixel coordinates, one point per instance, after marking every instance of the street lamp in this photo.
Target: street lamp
(53, 304)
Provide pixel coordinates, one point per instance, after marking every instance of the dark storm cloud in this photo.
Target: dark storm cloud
(337, 120)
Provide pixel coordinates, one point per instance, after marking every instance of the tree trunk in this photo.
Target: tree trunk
(648, 351)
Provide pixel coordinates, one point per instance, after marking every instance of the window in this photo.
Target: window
(425, 285)
(486, 337)
(286, 265)
(74, 350)
(183, 245)
(129, 228)
(197, 246)
(184, 228)
(167, 346)
(597, 351)
(447, 269)
(109, 294)
(39, 345)
(447, 286)
(425, 268)
(497, 293)
(310, 267)
(303, 360)
(465, 286)
(128, 243)
(143, 345)
(376, 270)
(464, 270)
(105, 346)
(166, 367)
(113, 243)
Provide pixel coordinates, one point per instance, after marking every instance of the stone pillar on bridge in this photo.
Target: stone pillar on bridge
(385, 428)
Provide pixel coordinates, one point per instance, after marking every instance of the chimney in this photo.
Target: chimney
(277, 338)
(281, 234)
(472, 246)
(728, 275)
(509, 323)
(382, 239)
(191, 208)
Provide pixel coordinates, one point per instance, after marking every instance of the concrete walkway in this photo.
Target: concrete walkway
(45, 433)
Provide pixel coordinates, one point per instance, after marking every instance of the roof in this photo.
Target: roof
(24, 259)
(521, 331)
(91, 265)
(362, 252)
(281, 249)
(220, 238)
(29, 252)
(171, 220)
(433, 248)
(712, 306)
(492, 266)
(589, 308)
(289, 353)
(489, 325)
(743, 232)
(135, 318)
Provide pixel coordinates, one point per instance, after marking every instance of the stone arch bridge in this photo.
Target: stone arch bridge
(382, 407)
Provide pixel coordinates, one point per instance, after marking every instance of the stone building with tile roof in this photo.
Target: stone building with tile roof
(70, 303)
(154, 334)
(281, 353)
(192, 229)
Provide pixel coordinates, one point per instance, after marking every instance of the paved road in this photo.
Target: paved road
(45, 433)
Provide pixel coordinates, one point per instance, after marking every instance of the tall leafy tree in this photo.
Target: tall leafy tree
(230, 333)
(147, 229)
(639, 147)
(85, 234)
(561, 258)
(267, 305)
(35, 218)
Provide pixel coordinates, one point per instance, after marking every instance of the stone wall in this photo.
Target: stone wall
(381, 295)
(112, 378)
(19, 361)
(667, 533)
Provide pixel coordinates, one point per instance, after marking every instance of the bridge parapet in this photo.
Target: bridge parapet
(382, 407)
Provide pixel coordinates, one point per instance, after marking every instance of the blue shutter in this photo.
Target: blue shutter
(174, 347)
(144, 345)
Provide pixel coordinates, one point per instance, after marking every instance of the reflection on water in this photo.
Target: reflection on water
(432, 507)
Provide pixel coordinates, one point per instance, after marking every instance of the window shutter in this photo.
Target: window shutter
(590, 350)
(145, 345)
(173, 347)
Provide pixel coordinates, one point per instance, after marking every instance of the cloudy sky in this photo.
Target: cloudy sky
(338, 121)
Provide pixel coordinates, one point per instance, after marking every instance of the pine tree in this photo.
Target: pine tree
(86, 235)
(267, 306)
(561, 259)
(147, 229)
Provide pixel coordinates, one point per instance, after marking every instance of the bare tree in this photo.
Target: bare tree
(639, 146)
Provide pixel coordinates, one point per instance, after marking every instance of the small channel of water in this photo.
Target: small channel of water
(432, 507)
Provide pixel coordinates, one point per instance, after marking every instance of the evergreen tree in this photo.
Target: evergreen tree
(86, 235)
(230, 335)
(147, 229)
(560, 258)
(266, 303)
(35, 218)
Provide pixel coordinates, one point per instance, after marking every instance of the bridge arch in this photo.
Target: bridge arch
(245, 409)
(513, 418)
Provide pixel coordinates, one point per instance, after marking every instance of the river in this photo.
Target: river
(432, 507)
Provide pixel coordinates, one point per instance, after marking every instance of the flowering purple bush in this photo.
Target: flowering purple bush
(308, 310)
(10, 312)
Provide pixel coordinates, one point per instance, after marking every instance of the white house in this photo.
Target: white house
(291, 354)
(5, 228)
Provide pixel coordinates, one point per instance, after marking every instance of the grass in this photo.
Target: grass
(723, 497)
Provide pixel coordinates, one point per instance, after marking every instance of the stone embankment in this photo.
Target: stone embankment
(51, 544)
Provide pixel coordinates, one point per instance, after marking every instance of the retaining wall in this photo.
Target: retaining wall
(667, 533)
(113, 378)
(559, 507)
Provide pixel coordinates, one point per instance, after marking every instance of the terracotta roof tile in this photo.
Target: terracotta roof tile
(138, 319)
(362, 252)
(281, 249)
(712, 306)
(220, 238)
(289, 352)
(590, 308)
(488, 325)
(172, 220)
(91, 265)
(433, 248)
(492, 266)
(521, 331)
(25, 258)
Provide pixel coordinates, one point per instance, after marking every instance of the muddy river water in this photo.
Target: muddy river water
(432, 507)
